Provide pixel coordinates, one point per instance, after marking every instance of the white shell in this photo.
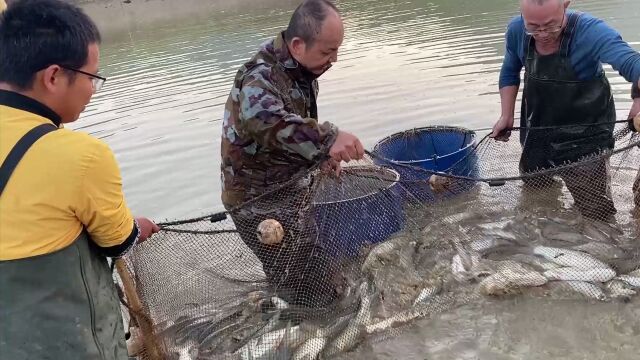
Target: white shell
(270, 232)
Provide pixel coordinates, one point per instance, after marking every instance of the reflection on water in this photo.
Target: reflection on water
(403, 64)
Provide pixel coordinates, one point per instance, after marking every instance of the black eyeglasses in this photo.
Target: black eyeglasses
(96, 80)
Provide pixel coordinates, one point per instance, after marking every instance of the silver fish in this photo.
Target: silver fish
(269, 327)
(427, 293)
(631, 280)
(266, 345)
(620, 289)
(535, 261)
(310, 349)
(398, 318)
(465, 270)
(499, 233)
(510, 276)
(569, 237)
(381, 252)
(596, 234)
(351, 334)
(571, 258)
(279, 303)
(573, 274)
(606, 229)
(625, 265)
(572, 221)
(635, 273)
(587, 289)
(601, 250)
(483, 245)
(554, 231)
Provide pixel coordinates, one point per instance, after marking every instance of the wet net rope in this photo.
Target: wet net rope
(432, 220)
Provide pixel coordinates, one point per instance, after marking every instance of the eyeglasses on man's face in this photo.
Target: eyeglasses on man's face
(549, 30)
(97, 81)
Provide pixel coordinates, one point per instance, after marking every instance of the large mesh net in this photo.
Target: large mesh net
(433, 219)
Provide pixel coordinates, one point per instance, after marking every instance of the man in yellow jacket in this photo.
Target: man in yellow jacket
(3, 5)
(62, 209)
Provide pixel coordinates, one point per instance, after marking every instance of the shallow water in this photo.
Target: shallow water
(403, 64)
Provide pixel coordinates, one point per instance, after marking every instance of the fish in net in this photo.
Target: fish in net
(433, 220)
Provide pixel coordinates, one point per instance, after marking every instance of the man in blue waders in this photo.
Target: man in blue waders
(565, 86)
(62, 210)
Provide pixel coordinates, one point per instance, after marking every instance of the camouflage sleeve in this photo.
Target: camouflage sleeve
(264, 119)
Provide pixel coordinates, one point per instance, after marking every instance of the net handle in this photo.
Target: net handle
(151, 348)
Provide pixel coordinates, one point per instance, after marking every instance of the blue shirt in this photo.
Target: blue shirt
(594, 42)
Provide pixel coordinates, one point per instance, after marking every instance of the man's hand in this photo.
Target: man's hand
(346, 148)
(635, 111)
(146, 228)
(636, 122)
(331, 167)
(498, 129)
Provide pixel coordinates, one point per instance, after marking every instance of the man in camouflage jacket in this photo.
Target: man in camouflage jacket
(271, 135)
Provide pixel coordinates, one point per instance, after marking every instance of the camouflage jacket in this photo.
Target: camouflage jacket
(270, 130)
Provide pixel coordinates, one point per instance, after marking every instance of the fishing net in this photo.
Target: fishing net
(433, 219)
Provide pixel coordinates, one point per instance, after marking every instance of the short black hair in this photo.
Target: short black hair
(306, 21)
(35, 34)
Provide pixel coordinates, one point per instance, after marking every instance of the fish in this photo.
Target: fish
(329, 331)
(604, 228)
(573, 274)
(635, 273)
(602, 251)
(571, 258)
(510, 277)
(471, 268)
(619, 289)
(264, 346)
(310, 349)
(631, 280)
(537, 262)
(625, 265)
(267, 328)
(484, 245)
(587, 289)
(279, 303)
(188, 351)
(499, 233)
(348, 338)
(572, 221)
(427, 293)
(558, 232)
(381, 252)
(569, 237)
(596, 234)
(466, 264)
(402, 317)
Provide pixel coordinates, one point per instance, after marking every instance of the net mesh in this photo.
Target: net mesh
(432, 219)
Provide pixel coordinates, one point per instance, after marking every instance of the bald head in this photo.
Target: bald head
(314, 35)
